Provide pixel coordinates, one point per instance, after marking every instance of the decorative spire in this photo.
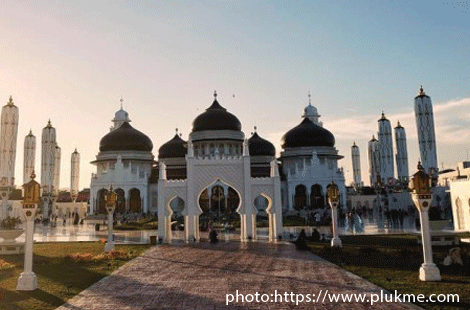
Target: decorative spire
(176, 130)
(215, 95)
(10, 101)
(420, 167)
(122, 100)
(255, 128)
(399, 125)
(354, 144)
(49, 123)
(383, 115)
(309, 98)
(30, 132)
(421, 91)
(33, 175)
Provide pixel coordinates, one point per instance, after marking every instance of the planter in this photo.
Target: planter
(11, 234)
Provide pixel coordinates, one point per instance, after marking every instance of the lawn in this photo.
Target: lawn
(392, 262)
(63, 270)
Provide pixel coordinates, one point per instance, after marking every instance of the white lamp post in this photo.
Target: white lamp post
(110, 206)
(421, 186)
(333, 199)
(27, 280)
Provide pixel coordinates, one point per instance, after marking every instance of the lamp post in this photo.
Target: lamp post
(422, 197)
(333, 199)
(27, 280)
(110, 206)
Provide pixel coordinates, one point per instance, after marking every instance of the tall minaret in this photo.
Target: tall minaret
(402, 154)
(29, 156)
(8, 135)
(387, 172)
(47, 165)
(120, 117)
(374, 161)
(57, 156)
(356, 164)
(311, 112)
(75, 175)
(426, 135)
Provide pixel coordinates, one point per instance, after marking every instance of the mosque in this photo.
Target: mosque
(217, 173)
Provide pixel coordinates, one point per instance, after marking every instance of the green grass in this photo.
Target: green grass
(143, 224)
(393, 262)
(63, 270)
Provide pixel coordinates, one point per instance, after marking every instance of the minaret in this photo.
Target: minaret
(57, 156)
(387, 172)
(426, 136)
(47, 164)
(402, 154)
(374, 161)
(311, 112)
(75, 175)
(120, 117)
(356, 164)
(29, 156)
(8, 135)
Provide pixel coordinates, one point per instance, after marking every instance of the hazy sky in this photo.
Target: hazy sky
(71, 61)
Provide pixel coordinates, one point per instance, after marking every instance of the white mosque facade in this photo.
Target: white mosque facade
(218, 173)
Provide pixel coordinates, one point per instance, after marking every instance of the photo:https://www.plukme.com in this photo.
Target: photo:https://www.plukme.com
(324, 296)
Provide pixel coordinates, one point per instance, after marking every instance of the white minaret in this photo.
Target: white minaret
(402, 154)
(47, 165)
(120, 117)
(356, 164)
(57, 156)
(426, 135)
(387, 172)
(75, 175)
(311, 112)
(29, 156)
(8, 136)
(374, 160)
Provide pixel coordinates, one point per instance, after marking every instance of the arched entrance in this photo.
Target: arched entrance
(261, 220)
(300, 197)
(101, 201)
(120, 201)
(176, 207)
(135, 202)
(219, 203)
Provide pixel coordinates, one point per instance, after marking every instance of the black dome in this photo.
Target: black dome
(125, 138)
(176, 147)
(216, 117)
(307, 133)
(260, 147)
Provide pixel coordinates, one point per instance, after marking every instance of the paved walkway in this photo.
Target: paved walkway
(199, 276)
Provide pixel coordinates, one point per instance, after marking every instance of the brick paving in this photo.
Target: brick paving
(198, 276)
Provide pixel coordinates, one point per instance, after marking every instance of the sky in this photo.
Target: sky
(72, 61)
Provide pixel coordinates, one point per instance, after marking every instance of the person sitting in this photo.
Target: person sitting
(301, 242)
(315, 235)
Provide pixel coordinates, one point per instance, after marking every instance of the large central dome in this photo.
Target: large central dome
(307, 134)
(216, 117)
(125, 138)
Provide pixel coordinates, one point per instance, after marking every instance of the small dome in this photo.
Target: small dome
(260, 147)
(121, 115)
(125, 138)
(307, 134)
(310, 110)
(216, 117)
(176, 147)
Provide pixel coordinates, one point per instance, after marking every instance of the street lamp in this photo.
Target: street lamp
(333, 199)
(110, 206)
(421, 187)
(27, 280)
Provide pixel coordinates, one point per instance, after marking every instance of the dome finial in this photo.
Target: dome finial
(176, 131)
(10, 101)
(398, 124)
(122, 100)
(354, 143)
(215, 95)
(30, 132)
(49, 123)
(255, 128)
(309, 98)
(421, 91)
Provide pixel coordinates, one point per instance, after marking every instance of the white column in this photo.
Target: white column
(336, 241)
(27, 280)
(110, 244)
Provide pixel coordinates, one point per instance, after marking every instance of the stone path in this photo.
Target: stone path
(199, 276)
